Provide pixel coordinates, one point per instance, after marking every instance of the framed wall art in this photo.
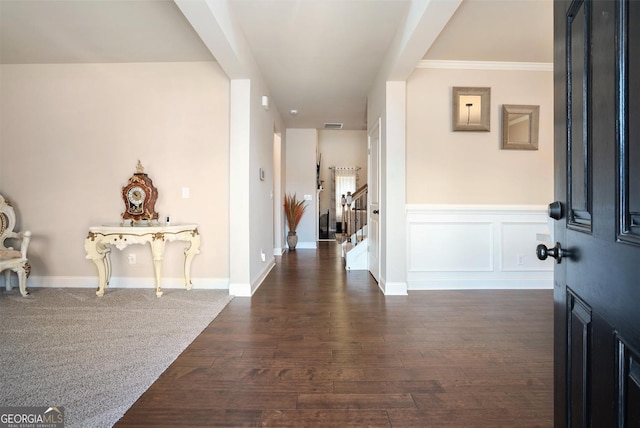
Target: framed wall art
(520, 127)
(471, 109)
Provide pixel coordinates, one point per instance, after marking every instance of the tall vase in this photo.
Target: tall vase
(292, 240)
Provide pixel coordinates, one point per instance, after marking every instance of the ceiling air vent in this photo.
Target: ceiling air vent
(332, 126)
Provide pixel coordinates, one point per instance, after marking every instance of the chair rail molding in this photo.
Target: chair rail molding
(476, 247)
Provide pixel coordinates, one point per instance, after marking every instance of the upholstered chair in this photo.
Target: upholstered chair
(11, 259)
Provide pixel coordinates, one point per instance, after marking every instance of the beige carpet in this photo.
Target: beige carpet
(95, 356)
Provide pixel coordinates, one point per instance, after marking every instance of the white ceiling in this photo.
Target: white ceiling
(86, 31)
(317, 56)
(498, 30)
(320, 57)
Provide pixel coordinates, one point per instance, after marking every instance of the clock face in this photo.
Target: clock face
(139, 197)
(136, 195)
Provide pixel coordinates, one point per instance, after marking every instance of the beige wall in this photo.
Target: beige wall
(70, 138)
(300, 158)
(445, 167)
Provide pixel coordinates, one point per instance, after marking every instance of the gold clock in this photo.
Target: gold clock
(139, 196)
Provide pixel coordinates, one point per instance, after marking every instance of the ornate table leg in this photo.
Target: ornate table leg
(194, 238)
(157, 250)
(98, 252)
(107, 264)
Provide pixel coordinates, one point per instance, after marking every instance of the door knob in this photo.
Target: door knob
(376, 212)
(556, 252)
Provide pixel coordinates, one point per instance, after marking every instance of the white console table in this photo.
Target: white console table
(101, 237)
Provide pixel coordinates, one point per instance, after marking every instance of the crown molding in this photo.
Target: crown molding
(487, 65)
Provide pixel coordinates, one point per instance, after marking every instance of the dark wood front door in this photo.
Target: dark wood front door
(597, 182)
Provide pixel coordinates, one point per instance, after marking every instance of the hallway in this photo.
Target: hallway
(321, 347)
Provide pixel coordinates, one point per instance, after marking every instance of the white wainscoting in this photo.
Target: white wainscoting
(476, 246)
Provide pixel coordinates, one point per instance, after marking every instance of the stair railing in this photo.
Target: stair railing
(355, 215)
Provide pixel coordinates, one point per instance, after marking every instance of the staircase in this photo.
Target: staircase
(354, 244)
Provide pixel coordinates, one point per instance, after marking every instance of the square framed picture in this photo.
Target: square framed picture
(520, 125)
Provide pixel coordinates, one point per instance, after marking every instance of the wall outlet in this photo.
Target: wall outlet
(132, 259)
(263, 256)
(520, 260)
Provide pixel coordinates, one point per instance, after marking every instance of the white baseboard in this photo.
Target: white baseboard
(392, 288)
(257, 282)
(307, 245)
(482, 284)
(125, 282)
(246, 289)
(240, 289)
(395, 289)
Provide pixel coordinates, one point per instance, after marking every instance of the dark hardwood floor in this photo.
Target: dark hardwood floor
(318, 346)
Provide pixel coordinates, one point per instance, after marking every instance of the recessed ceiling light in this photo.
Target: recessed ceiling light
(293, 112)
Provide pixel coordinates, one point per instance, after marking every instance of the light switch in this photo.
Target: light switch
(186, 193)
(308, 197)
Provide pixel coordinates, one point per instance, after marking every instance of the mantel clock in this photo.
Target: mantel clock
(139, 196)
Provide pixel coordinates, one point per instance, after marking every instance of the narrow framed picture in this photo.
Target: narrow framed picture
(471, 109)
